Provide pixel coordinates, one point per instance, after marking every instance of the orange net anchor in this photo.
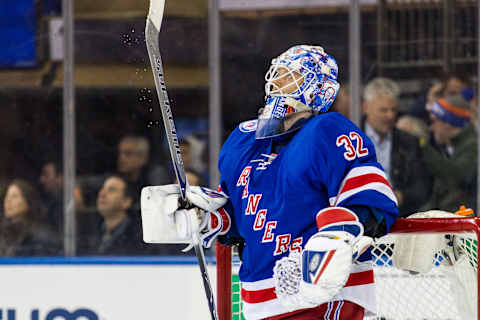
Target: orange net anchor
(464, 211)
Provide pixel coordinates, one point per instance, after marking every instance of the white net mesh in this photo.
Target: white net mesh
(445, 292)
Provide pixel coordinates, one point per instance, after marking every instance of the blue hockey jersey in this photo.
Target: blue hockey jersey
(274, 199)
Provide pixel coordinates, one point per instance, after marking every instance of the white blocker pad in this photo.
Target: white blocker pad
(162, 221)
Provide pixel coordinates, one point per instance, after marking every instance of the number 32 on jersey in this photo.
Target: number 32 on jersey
(353, 144)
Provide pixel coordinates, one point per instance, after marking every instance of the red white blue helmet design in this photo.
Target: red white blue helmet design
(308, 77)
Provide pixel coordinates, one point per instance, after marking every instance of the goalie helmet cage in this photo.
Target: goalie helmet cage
(445, 292)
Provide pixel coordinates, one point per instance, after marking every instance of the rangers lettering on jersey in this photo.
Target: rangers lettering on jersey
(252, 204)
(243, 179)
(260, 222)
(274, 200)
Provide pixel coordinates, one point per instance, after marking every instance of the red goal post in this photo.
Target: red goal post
(457, 225)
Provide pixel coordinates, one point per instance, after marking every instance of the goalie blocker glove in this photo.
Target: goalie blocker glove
(174, 223)
(316, 275)
(214, 220)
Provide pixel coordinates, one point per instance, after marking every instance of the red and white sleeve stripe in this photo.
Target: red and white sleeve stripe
(363, 179)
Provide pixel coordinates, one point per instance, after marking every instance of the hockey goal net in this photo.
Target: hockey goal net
(449, 290)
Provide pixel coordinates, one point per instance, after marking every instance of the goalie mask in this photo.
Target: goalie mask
(300, 81)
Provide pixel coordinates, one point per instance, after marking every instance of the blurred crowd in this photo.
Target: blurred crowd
(107, 206)
(428, 151)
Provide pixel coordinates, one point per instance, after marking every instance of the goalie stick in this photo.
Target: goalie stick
(152, 29)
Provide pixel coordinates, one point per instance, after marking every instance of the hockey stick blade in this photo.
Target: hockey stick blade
(152, 30)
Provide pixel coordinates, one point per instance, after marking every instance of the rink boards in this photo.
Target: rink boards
(102, 288)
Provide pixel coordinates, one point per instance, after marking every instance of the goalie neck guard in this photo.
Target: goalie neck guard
(300, 81)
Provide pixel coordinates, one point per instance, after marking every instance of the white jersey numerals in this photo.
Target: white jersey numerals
(348, 142)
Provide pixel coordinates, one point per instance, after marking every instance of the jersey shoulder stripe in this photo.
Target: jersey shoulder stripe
(363, 178)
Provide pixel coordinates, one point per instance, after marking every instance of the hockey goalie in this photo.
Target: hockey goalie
(301, 193)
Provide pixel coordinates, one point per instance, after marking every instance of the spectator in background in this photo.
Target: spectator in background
(455, 82)
(342, 102)
(193, 178)
(397, 151)
(450, 84)
(414, 126)
(51, 181)
(120, 234)
(22, 228)
(193, 150)
(469, 95)
(134, 166)
(453, 162)
(186, 151)
(474, 108)
(435, 92)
